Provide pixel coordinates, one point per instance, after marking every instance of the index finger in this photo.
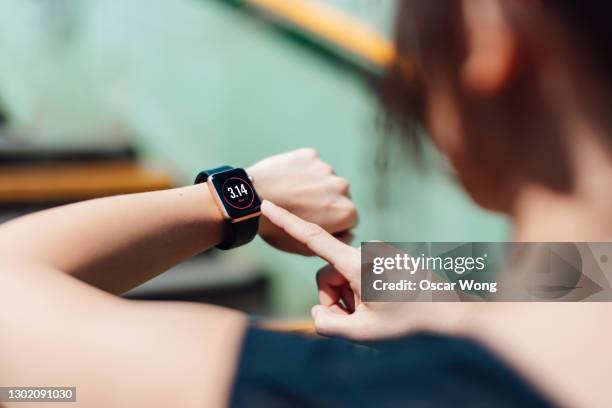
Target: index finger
(319, 241)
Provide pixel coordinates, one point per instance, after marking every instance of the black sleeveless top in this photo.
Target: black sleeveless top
(285, 370)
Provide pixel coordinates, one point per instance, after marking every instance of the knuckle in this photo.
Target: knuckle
(312, 231)
(323, 327)
(351, 209)
(321, 331)
(342, 184)
(347, 210)
(327, 168)
(308, 152)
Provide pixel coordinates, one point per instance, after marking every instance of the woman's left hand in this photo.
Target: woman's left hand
(304, 184)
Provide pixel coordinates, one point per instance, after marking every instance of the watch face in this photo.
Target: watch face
(236, 193)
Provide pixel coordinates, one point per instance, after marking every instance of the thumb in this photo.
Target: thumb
(333, 321)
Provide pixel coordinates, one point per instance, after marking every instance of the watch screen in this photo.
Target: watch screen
(236, 192)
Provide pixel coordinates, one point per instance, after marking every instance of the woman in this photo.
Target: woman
(514, 93)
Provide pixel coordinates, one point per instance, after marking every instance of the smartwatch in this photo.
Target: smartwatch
(238, 201)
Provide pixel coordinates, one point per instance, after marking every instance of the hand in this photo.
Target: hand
(304, 184)
(341, 311)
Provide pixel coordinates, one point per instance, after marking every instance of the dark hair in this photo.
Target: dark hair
(438, 31)
(589, 21)
(401, 90)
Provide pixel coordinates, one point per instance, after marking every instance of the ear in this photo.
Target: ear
(491, 46)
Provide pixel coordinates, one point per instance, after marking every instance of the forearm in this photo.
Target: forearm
(116, 243)
(119, 242)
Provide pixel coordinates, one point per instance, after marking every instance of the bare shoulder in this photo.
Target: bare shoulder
(552, 345)
(115, 352)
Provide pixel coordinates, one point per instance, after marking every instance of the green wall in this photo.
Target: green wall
(199, 83)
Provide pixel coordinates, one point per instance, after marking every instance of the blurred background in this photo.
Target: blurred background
(100, 97)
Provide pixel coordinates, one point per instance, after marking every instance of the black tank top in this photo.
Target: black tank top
(285, 370)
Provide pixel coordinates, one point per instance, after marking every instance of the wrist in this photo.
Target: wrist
(255, 180)
(258, 181)
(207, 213)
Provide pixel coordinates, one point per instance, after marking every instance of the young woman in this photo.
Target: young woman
(514, 93)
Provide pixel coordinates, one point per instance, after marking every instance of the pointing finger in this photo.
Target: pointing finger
(312, 235)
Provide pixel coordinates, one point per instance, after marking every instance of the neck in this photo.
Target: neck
(581, 213)
(578, 206)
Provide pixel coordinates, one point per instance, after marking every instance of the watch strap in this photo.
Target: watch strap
(238, 234)
(204, 175)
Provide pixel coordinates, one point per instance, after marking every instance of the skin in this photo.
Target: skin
(63, 325)
(519, 116)
(541, 157)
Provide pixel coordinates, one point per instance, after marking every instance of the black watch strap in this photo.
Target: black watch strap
(240, 233)
(204, 175)
(234, 234)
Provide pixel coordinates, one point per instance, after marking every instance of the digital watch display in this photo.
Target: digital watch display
(237, 199)
(234, 191)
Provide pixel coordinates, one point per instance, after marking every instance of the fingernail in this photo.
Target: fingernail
(267, 204)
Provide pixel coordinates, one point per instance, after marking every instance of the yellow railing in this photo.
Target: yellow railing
(332, 26)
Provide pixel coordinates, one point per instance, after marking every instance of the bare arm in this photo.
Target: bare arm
(60, 331)
(118, 242)
(56, 330)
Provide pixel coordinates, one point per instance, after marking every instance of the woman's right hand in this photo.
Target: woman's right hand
(341, 312)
